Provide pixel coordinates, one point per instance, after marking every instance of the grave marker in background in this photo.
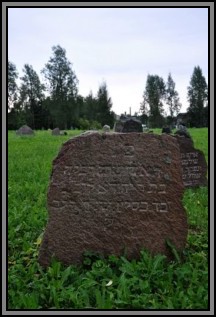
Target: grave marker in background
(194, 166)
(106, 128)
(56, 131)
(128, 124)
(25, 130)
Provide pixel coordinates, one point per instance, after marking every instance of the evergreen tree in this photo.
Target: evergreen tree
(104, 114)
(154, 93)
(12, 85)
(62, 85)
(197, 97)
(172, 97)
(91, 107)
(31, 96)
(144, 109)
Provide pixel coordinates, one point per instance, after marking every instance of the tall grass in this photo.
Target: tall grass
(99, 283)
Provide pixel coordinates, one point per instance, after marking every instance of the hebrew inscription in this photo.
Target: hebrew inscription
(114, 192)
(194, 167)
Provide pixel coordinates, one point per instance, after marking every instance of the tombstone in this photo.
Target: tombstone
(56, 131)
(182, 131)
(110, 194)
(106, 128)
(166, 129)
(194, 166)
(118, 126)
(127, 125)
(132, 125)
(25, 130)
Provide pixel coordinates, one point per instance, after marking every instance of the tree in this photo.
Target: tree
(62, 85)
(197, 97)
(144, 108)
(91, 107)
(153, 95)
(104, 114)
(12, 86)
(31, 96)
(172, 97)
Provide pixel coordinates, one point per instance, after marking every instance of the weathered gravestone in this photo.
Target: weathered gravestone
(194, 166)
(56, 131)
(182, 131)
(132, 125)
(25, 130)
(118, 126)
(115, 192)
(106, 128)
(128, 125)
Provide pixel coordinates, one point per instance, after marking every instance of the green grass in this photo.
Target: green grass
(111, 283)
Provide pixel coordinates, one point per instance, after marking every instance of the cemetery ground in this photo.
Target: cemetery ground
(99, 283)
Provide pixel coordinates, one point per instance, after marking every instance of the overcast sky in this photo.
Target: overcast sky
(118, 45)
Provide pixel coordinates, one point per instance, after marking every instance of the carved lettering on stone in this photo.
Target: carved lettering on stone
(194, 166)
(108, 205)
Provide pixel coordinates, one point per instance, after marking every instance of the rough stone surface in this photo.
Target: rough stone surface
(25, 130)
(118, 126)
(114, 193)
(106, 128)
(56, 131)
(128, 125)
(132, 125)
(194, 166)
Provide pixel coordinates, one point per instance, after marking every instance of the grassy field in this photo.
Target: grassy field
(112, 283)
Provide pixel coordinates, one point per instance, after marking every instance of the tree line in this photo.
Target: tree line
(157, 92)
(57, 103)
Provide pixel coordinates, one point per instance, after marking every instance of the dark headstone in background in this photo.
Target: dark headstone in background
(56, 131)
(115, 192)
(194, 166)
(25, 130)
(127, 125)
(132, 125)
